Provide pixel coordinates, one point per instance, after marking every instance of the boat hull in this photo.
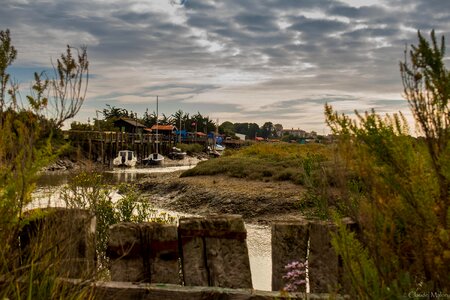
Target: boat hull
(155, 159)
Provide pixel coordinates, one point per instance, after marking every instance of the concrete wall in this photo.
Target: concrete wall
(145, 252)
(65, 237)
(145, 291)
(211, 251)
(290, 243)
(202, 251)
(214, 251)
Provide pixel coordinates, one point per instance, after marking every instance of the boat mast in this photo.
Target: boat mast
(157, 124)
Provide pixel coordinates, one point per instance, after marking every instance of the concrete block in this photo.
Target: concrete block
(289, 243)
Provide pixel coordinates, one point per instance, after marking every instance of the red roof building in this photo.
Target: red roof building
(163, 129)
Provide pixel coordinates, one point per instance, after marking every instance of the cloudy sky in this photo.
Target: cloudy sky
(236, 60)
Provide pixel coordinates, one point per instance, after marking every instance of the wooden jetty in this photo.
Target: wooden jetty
(103, 146)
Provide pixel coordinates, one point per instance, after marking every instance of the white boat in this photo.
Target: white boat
(154, 159)
(219, 148)
(177, 153)
(125, 158)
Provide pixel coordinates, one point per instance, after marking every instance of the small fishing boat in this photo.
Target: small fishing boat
(177, 154)
(125, 158)
(154, 159)
(219, 148)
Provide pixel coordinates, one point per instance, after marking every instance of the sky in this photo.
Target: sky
(232, 60)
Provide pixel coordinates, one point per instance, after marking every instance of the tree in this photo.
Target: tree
(397, 186)
(202, 124)
(69, 86)
(166, 120)
(278, 128)
(227, 128)
(426, 83)
(7, 55)
(267, 130)
(114, 113)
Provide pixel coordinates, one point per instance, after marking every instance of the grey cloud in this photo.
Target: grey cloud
(363, 12)
(256, 22)
(319, 27)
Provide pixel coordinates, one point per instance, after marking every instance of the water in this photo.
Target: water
(258, 237)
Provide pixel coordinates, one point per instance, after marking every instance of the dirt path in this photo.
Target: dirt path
(257, 201)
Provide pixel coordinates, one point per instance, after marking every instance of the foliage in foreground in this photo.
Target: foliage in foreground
(402, 200)
(26, 146)
(91, 191)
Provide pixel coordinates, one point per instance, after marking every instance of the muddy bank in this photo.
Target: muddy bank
(257, 201)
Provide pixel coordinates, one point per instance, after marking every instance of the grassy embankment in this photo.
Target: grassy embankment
(267, 162)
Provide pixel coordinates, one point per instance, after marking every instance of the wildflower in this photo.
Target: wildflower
(295, 276)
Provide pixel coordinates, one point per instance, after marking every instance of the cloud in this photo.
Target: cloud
(235, 59)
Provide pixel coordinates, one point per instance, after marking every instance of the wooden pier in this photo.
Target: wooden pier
(103, 146)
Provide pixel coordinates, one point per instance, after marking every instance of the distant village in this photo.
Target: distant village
(181, 126)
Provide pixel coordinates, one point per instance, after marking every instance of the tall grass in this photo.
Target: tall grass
(265, 161)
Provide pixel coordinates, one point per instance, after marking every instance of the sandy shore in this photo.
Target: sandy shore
(257, 201)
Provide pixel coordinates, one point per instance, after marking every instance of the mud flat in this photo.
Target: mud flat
(257, 201)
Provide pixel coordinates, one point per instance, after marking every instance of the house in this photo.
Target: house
(164, 129)
(129, 125)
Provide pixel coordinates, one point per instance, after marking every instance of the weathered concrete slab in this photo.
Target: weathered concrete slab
(64, 236)
(323, 260)
(289, 243)
(214, 251)
(195, 272)
(163, 255)
(127, 291)
(227, 252)
(145, 252)
(125, 250)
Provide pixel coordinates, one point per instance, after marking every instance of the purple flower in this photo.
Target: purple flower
(295, 276)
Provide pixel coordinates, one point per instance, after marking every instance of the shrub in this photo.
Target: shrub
(398, 186)
(191, 149)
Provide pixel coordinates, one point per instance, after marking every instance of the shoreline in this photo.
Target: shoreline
(259, 202)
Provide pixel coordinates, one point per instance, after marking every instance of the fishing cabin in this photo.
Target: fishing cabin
(129, 125)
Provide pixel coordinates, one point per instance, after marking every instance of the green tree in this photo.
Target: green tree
(114, 113)
(278, 129)
(249, 129)
(397, 186)
(7, 55)
(267, 130)
(227, 128)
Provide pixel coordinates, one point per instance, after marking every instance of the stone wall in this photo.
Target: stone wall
(201, 251)
(210, 251)
(214, 252)
(65, 237)
(308, 241)
(145, 252)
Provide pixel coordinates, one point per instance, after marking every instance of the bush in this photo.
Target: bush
(265, 161)
(191, 149)
(397, 186)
